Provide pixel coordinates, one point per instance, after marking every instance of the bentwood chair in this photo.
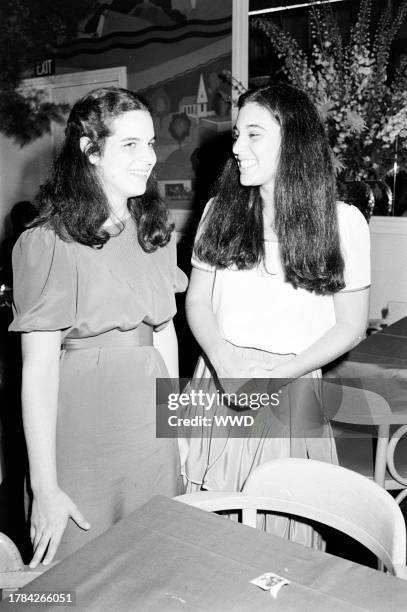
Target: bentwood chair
(322, 492)
(362, 420)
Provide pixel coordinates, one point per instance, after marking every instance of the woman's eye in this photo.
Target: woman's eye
(253, 134)
(151, 145)
(130, 144)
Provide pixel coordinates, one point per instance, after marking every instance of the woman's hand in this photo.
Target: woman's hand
(266, 379)
(228, 364)
(49, 516)
(238, 375)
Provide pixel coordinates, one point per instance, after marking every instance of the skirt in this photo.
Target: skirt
(109, 460)
(220, 460)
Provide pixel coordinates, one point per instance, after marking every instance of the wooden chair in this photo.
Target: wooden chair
(321, 492)
(13, 573)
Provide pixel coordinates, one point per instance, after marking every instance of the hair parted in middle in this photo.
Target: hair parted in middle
(305, 215)
(73, 201)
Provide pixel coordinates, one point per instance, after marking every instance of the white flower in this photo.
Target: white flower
(352, 96)
(356, 123)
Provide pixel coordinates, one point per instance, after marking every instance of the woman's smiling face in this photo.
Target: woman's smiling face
(128, 156)
(257, 140)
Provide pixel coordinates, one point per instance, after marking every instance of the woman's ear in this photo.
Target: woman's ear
(84, 144)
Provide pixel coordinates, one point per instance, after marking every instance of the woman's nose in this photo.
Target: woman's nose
(152, 156)
(237, 145)
(149, 155)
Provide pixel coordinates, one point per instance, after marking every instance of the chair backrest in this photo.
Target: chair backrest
(338, 497)
(326, 493)
(10, 558)
(345, 404)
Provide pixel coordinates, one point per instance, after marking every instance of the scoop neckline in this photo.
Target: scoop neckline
(118, 223)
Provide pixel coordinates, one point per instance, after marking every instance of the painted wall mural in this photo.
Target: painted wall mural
(175, 52)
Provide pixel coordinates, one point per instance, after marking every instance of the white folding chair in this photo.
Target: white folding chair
(322, 492)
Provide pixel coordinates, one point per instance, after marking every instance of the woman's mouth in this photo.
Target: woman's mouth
(246, 163)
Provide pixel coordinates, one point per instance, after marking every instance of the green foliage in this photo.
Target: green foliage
(31, 30)
(365, 109)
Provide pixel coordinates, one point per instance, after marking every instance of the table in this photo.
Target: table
(167, 556)
(379, 364)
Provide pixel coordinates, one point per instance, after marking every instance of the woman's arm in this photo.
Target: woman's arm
(40, 380)
(198, 308)
(165, 341)
(51, 507)
(351, 313)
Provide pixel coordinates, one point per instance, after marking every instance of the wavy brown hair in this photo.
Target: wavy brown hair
(73, 201)
(305, 214)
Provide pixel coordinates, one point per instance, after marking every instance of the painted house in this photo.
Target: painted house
(196, 106)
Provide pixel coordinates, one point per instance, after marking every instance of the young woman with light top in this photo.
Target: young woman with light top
(279, 287)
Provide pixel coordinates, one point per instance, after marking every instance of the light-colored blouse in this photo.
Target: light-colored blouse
(257, 308)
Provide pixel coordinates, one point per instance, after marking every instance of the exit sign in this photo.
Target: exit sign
(44, 67)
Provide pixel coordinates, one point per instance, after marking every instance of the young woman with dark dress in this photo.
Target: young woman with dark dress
(94, 283)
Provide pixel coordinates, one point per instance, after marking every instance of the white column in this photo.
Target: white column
(240, 44)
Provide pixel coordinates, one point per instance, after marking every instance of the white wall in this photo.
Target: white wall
(389, 262)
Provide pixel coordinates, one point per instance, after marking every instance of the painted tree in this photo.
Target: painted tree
(160, 104)
(180, 127)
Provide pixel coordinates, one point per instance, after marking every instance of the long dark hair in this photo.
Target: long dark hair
(305, 216)
(73, 201)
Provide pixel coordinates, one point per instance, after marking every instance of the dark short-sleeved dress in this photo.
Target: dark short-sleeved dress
(108, 458)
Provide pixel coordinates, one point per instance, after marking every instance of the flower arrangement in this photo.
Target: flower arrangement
(364, 108)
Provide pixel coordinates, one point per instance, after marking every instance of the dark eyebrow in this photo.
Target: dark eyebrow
(135, 139)
(250, 127)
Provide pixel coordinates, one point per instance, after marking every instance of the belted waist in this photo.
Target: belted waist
(140, 336)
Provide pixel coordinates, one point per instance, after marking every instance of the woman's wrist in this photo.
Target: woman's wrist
(286, 370)
(42, 488)
(214, 352)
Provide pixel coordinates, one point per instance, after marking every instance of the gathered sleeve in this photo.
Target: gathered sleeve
(195, 261)
(44, 282)
(355, 246)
